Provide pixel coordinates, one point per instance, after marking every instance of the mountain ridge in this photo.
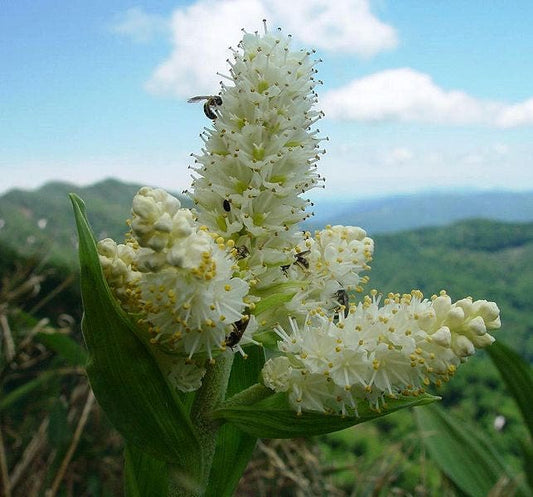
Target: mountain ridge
(41, 221)
(405, 212)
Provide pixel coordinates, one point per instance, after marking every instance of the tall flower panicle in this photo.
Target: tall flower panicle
(261, 153)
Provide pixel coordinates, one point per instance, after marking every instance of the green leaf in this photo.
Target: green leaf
(234, 447)
(460, 451)
(273, 417)
(123, 374)
(144, 475)
(27, 388)
(527, 461)
(277, 295)
(59, 429)
(518, 377)
(64, 346)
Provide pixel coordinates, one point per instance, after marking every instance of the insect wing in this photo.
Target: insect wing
(198, 98)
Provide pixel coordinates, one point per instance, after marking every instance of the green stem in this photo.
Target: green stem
(207, 399)
(249, 396)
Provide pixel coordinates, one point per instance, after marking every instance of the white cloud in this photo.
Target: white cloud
(520, 114)
(346, 26)
(201, 35)
(407, 95)
(203, 31)
(140, 26)
(398, 156)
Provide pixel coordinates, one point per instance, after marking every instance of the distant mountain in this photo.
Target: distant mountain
(40, 222)
(405, 212)
(484, 259)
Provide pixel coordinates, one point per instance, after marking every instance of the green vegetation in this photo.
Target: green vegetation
(41, 379)
(40, 222)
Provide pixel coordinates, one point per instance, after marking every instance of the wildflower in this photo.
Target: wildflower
(334, 259)
(330, 364)
(177, 275)
(205, 282)
(260, 155)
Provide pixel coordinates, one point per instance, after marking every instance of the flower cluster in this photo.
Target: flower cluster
(176, 274)
(203, 282)
(330, 365)
(260, 155)
(328, 266)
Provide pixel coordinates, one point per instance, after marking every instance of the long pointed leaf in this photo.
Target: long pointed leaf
(518, 377)
(72, 352)
(272, 417)
(461, 452)
(144, 475)
(123, 374)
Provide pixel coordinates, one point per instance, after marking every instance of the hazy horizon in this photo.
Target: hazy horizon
(415, 98)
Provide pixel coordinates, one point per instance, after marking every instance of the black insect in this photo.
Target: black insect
(301, 260)
(341, 296)
(211, 101)
(226, 204)
(241, 252)
(235, 335)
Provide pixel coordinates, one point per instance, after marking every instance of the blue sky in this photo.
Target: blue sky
(418, 95)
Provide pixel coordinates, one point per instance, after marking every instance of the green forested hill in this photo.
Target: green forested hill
(480, 258)
(40, 222)
(424, 209)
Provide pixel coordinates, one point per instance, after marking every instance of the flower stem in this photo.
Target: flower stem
(208, 398)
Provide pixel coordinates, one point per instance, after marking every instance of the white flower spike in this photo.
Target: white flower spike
(260, 156)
